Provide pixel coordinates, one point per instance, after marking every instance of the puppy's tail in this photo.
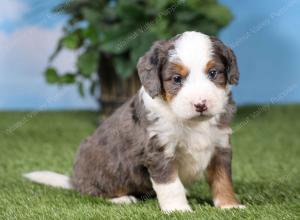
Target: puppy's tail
(49, 178)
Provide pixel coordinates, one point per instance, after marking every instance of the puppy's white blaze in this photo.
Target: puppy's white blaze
(194, 50)
(49, 178)
(171, 196)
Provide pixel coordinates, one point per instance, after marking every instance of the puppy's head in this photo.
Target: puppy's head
(191, 73)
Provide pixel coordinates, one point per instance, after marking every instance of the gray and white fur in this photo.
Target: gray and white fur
(174, 130)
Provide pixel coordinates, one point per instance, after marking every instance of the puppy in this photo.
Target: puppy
(163, 139)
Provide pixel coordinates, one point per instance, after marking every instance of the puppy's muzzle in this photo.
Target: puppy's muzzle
(201, 107)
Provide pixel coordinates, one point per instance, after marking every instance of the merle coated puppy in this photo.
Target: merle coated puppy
(174, 130)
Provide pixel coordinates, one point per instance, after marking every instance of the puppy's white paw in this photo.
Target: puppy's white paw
(235, 206)
(176, 208)
(124, 200)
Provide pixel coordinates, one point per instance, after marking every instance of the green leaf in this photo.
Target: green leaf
(91, 34)
(72, 40)
(51, 75)
(91, 15)
(130, 11)
(80, 89)
(186, 16)
(217, 14)
(67, 78)
(93, 87)
(115, 40)
(160, 5)
(87, 62)
(57, 50)
(159, 28)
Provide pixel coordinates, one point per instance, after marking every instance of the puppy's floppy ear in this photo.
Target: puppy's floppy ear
(150, 66)
(229, 58)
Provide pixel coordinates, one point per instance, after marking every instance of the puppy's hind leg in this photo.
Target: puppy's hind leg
(124, 200)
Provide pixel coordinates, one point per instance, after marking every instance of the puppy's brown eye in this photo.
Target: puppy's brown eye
(177, 79)
(212, 74)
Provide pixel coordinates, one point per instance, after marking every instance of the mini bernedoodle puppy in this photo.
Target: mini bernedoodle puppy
(174, 130)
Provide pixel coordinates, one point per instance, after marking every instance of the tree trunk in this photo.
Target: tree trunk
(114, 90)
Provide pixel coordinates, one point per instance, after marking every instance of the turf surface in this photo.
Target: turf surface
(266, 168)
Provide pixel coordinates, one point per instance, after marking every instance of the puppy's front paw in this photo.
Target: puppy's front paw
(176, 208)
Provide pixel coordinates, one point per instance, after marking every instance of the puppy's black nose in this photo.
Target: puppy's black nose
(200, 107)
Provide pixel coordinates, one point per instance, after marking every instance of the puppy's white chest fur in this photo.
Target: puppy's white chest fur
(192, 143)
(193, 152)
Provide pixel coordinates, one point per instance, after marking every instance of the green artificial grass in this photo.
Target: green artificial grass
(266, 168)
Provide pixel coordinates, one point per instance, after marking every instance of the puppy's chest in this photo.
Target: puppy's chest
(191, 145)
(193, 152)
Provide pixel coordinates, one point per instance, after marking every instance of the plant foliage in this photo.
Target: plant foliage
(124, 29)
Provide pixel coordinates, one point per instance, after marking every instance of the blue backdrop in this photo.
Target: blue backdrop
(265, 38)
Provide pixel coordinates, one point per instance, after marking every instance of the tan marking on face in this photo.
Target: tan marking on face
(172, 70)
(221, 78)
(210, 64)
(168, 97)
(181, 70)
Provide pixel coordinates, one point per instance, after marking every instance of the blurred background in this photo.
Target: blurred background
(81, 54)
